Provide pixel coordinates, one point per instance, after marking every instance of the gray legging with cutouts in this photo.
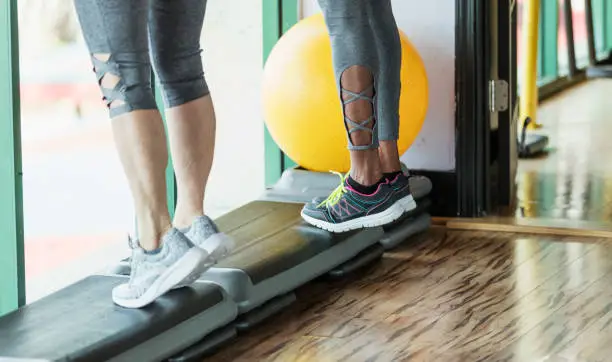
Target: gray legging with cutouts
(364, 33)
(118, 34)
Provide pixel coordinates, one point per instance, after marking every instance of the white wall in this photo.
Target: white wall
(431, 28)
(233, 63)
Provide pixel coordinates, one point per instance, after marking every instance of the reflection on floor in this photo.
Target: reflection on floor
(574, 181)
(452, 296)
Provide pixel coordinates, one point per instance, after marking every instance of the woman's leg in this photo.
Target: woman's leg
(356, 67)
(389, 52)
(176, 28)
(120, 55)
(364, 198)
(116, 32)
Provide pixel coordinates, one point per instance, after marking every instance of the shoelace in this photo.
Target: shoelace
(336, 195)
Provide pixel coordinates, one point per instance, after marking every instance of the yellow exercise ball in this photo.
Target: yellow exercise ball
(301, 104)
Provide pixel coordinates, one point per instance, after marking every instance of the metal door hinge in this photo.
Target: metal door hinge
(498, 95)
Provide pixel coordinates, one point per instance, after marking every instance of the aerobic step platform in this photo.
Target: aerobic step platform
(81, 323)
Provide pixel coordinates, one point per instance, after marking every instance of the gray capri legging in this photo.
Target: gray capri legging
(118, 34)
(364, 32)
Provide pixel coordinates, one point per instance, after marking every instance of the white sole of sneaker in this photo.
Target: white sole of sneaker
(408, 203)
(382, 218)
(190, 264)
(220, 245)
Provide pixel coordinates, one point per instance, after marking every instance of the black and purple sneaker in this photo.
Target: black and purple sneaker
(346, 209)
(401, 186)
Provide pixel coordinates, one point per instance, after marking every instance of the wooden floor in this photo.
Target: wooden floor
(568, 190)
(457, 295)
(574, 181)
(452, 296)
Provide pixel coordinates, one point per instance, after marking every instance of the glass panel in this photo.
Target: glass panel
(562, 58)
(599, 28)
(78, 208)
(77, 205)
(547, 48)
(581, 42)
(519, 8)
(233, 61)
(607, 19)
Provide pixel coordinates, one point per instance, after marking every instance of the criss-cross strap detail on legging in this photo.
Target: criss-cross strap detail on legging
(366, 125)
(116, 93)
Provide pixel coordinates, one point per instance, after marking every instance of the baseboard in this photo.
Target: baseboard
(556, 227)
(444, 193)
(560, 84)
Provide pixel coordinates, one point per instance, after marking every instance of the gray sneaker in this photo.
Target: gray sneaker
(205, 234)
(152, 275)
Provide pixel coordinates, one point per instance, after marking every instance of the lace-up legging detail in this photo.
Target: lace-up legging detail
(365, 42)
(118, 34)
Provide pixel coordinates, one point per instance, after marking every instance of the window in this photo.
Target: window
(562, 57)
(233, 64)
(77, 205)
(581, 42)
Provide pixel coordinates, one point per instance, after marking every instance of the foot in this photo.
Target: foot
(205, 234)
(401, 188)
(346, 209)
(152, 275)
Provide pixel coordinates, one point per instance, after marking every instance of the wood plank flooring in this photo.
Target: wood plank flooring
(536, 226)
(569, 190)
(452, 295)
(574, 181)
(480, 295)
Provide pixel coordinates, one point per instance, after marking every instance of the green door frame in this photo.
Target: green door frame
(278, 17)
(599, 29)
(12, 264)
(608, 25)
(548, 41)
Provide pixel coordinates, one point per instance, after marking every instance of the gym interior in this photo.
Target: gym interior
(506, 258)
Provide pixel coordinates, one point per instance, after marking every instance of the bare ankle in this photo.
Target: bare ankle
(365, 167)
(366, 179)
(150, 232)
(184, 218)
(389, 157)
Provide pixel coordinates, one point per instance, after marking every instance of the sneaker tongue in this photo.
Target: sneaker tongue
(133, 243)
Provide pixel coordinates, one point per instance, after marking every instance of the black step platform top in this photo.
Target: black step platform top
(271, 238)
(81, 323)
